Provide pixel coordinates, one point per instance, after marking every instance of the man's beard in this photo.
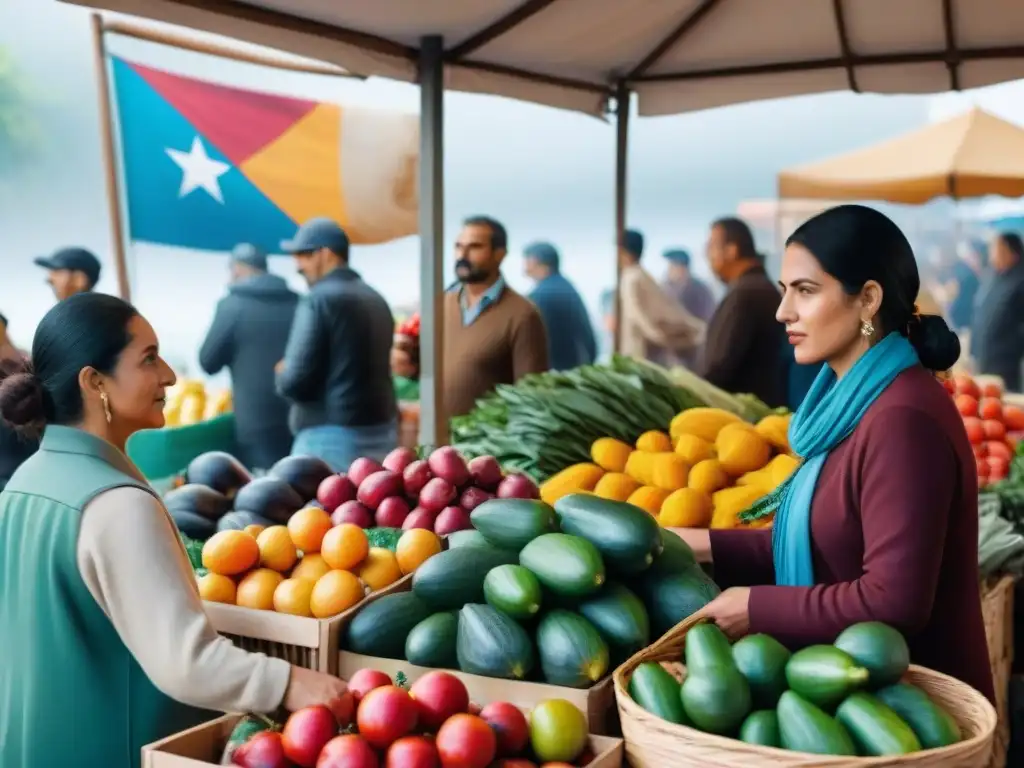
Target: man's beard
(467, 273)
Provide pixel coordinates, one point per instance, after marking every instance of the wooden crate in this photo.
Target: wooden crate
(597, 703)
(304, 642)
(997, 611)
(202, 746)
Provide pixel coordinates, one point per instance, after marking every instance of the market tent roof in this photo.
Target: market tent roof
(677, 55)
(970, 155)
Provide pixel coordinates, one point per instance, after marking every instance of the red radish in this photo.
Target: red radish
(349, 751)
(447, 463)
(305, 734)
(510, 726)
(412, 752)
(365, 680)
(399, 459)
(486, 472)
(437, 494)
(385, 715)
(261, 750)
(438, 696)
(452, 519)
(353, 512)
(379, 486)
(473, 497)
(466, 741)
(416, 476)
(517, 486)
(362, 468)
(334, 491)
(392, 512)
(419, 518)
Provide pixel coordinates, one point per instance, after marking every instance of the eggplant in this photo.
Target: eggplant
(239, 520)
(198, 499)
(269, 497)
(218, 470)
(303, 473)
(192, 525)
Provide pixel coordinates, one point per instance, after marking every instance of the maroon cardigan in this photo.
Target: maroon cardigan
(894, 537)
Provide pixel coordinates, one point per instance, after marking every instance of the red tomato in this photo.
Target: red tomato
(991, 389)
(438, 696)
(948, 385)
(514, 762)
(347, 752)
(998, 449)
(994, 430)
(1013, 417)
(306, 732)
(412, 752)
(385, 715)
(466, 741)
(965, 385)
(990, 408)
(975, 430)
(980, 450)
(983, 469)
(966, 404)
(365, 680)
(998, 468)
(510, 726)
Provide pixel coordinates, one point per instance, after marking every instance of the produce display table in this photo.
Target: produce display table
(997, 611)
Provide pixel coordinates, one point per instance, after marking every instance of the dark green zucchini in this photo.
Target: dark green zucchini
(876, 729)
(627, 537)
(804, 727)
(572, 651)
(513, 523)
(621, 618)
(382, 626)
(451, 579)
(432, 642)
(493, 644)
(654, 689)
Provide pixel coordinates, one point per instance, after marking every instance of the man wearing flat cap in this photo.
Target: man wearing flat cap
(248, 336)
(690, 292)
(70, 271)
(571, 341)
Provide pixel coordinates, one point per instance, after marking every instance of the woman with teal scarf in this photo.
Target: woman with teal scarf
(880, 520)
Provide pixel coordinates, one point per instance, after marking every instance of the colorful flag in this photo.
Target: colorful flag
(207, 166)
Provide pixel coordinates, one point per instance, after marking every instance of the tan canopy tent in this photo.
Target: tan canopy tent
(971, 155)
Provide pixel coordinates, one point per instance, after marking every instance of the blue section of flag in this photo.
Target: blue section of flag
(158, 212)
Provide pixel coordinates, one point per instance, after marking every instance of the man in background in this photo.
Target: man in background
(997, 337)
(336, 370)
(492, 335)
(14, 448)
(745, 347)
(652, 324)
(248, 336)
(70, 271)
(692, 293)
(962, 288)
(571, 341)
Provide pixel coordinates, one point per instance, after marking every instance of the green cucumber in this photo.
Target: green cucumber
(933, 726)
(568, 565)
(572, 651)
(432, 642)
(876, 729)
(824, 675)
(706, 646)
(493, 644)
(803, 727)
(762, 728)
(382, 626)
(676, 555)
(762, 660)
(455, 577)
(627, 537)
(879, 648)
(672, 597)
(513, 523)
(716, 699)
(621, 618)
(513, 590)
(656, 691)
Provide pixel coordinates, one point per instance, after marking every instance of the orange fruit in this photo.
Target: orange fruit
(415, 547)
(256, 589)
(293, 596)
(254, 530)
(230, 553)
(380, 569)
(217, 588)
(277, 551)
(310, 567)
(334, 593)
(307, 528)
(345, 546)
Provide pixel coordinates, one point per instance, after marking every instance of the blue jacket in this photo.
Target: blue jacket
(571, 340)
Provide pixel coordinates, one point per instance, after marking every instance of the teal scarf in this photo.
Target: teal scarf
(829, 413)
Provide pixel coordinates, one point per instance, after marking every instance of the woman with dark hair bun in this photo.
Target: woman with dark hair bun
(105, 643)
(880, 520)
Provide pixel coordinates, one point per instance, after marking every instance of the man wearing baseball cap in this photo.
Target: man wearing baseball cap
(71, 270)
(336, 371)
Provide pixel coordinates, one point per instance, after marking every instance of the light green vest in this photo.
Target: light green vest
(71, 693)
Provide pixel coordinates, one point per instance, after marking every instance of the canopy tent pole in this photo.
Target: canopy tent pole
(622, 95)
(433, 420)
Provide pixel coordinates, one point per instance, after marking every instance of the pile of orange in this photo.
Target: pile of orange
(307, 568)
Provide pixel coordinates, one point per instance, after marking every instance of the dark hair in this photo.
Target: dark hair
(855, 244)
(499, 237)
(738, 233)
(85, 330)
(633, 243)
(1014, 243)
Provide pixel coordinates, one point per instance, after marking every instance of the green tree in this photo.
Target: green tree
(18, 128)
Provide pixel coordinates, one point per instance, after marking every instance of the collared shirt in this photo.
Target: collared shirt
(470, 314)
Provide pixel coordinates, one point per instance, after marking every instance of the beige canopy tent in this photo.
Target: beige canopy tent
(971, 155)
(592, 55)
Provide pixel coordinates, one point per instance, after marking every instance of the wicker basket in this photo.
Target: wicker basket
(655, 743)
(997, 610)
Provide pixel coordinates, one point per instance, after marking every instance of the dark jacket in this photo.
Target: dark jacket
(571, 341)
(745, 347)
(997, 335)
(248, 336)
(337, 367)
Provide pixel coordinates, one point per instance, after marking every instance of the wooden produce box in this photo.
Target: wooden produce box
(597, 702)
(202, 747)
(304, 642)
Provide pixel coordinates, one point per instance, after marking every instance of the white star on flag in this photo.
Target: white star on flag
(199, 170)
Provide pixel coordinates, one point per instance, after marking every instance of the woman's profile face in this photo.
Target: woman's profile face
(822, 321)
(138, 388)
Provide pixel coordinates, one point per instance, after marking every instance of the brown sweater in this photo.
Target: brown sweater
(894, 537)
(506, 342)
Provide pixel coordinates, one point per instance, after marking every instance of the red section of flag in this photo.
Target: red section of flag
(238, 122)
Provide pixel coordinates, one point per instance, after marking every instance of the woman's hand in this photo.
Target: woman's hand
(730, 612)
(307, 688)
(699, 541)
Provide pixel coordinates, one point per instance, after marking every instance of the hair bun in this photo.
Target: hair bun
(22, 399)
(936, 344)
